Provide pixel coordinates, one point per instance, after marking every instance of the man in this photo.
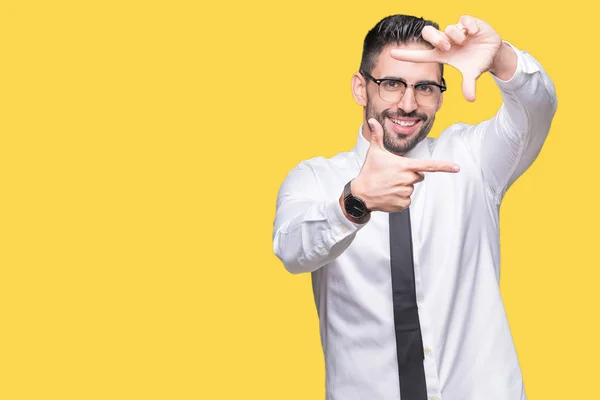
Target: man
(401, 233)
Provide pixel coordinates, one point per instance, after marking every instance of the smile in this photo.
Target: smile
(403, 123)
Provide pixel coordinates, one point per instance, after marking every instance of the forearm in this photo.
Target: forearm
(508, 144)
(504, 65)
(528, 94)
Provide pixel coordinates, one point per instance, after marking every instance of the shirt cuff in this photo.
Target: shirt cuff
(525, 67)
(340, 225)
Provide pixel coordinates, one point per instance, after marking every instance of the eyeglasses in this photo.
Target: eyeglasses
(427, 94)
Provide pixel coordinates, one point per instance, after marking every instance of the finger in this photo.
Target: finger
(418, 165)
(469, 87)
(405, 190)
(420, 176)
(437, 38)
(416, 55)
(376, 132)
(405, 203)
(456, 33)
(462, 29)
(470, 24)
(409, 178)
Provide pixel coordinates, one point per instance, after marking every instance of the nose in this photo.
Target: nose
(408, 103)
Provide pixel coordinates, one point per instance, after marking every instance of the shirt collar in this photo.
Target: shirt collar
(421, 150)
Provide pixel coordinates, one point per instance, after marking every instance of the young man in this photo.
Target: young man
(401, 233)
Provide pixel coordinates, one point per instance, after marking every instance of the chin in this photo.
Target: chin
(398, 143)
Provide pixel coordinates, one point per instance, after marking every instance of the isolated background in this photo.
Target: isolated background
(142, 144)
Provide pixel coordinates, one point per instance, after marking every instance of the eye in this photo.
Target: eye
(392, 85)
(425, 89)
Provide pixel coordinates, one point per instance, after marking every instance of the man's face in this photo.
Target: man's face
(406, 122)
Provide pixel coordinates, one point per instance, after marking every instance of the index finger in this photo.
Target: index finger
(432, 55)
(417, 165)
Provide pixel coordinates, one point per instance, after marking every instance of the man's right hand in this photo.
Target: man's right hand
(386, 180)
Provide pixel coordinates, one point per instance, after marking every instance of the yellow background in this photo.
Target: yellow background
(142, 144)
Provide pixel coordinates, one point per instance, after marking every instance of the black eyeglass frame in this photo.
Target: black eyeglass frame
(442, 87)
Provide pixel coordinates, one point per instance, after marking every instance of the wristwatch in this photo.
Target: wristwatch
(355, 206)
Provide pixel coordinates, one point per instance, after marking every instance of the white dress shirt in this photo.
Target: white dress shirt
(469, 350)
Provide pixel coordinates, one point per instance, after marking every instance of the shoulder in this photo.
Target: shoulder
(455, 132)
(458, 140)
(318, 171)
(451, 135)
(322, 164)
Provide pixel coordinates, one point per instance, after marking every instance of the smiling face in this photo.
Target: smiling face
(405, 122)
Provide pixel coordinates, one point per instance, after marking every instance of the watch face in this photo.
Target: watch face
(355, 207)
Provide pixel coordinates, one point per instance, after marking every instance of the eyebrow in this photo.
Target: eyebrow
(424, 82)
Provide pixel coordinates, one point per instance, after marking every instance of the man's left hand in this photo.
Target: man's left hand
(471, 46)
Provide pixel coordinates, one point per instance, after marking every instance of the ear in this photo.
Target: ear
(359, 89)
(440, 103)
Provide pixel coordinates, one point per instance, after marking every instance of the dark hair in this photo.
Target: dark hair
(394, 29)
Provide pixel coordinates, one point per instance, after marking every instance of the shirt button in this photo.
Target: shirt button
(323, 251)
(434, 398)
(344, 228)
(427, 351)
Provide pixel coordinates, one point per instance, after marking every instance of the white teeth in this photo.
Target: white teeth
(404, 123)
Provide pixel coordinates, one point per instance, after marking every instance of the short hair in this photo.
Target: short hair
(395, 29)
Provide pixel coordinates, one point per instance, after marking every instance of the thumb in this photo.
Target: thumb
(469, 86)
(376, 132)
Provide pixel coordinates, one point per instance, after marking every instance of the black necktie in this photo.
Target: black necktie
(409, 342)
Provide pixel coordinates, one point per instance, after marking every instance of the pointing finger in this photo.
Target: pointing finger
(417, 165)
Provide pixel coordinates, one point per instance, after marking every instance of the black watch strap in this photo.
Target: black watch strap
(348, 190)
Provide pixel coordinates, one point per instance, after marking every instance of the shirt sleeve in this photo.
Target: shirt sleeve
(506, 145)
(309, 230)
